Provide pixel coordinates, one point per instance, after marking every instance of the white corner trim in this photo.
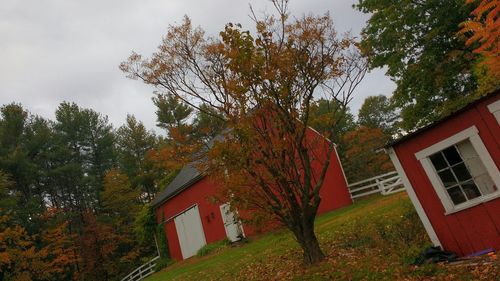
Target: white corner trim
(341, 167)
(494, 107)
(319, 134)
(463, 135)
(414, 199)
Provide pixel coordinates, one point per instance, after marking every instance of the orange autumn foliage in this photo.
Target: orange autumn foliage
(119, 198)
(19, 259)
(177, 152)
(62, 252)
(98, 244)
(22, 260)
(362, 161)
(262, 84)
(485, 30)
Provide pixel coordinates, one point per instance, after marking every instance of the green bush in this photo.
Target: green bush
(403, 235)
(145, 224)
(213, 247)
(162, 242)
(162, 263)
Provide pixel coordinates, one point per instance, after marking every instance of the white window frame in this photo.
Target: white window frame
(471, 134)
(494, 108)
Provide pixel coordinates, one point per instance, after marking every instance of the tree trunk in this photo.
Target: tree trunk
(307, 239)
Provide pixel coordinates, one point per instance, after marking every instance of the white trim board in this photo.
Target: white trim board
(463, 135)
(494, 108)
(337, 156)
(414, 199)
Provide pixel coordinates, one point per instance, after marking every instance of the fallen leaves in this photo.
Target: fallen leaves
(355, 248)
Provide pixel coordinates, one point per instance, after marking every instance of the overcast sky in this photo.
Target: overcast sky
(69, 50)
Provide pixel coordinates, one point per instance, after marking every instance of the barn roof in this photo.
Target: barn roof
(445, 118)
(188, 176)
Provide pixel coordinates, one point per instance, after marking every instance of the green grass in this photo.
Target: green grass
(373, 239)
(213, 247)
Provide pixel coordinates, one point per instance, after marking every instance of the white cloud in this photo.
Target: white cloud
(68, 50)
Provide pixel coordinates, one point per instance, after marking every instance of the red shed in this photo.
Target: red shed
(191, 220)
(450, 171)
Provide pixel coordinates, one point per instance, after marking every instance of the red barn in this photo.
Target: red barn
(450, 171)
(191, 220)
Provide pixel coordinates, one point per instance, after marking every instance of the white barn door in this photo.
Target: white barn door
(190, 232)
(234, 230)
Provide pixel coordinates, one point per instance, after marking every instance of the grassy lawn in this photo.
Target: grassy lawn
(373, 239)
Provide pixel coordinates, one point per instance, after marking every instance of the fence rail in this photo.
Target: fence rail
(385, 184)
(142, 271)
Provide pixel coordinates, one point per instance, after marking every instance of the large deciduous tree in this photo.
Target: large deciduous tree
(326, 112)
(263, 85)
(362, 158)
(417, 41)
(378, 112)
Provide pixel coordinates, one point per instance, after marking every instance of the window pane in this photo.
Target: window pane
(471, 190)
(447, 178)
(438, 161)
(485, 184)
(452, 155)
(461, 172)
(476, 168)
(456, 194)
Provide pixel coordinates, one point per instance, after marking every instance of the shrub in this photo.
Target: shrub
(403, 235)
(162, 263)
(162, 242)
(213, 247)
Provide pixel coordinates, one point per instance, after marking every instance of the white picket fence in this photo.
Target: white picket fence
(142, 271)
(385, 184)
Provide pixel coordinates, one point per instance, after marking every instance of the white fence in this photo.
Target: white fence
(142, 271)
(385, 184)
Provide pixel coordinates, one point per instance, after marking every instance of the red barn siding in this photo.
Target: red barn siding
(334, 194)
(468, 230)
(196, 194)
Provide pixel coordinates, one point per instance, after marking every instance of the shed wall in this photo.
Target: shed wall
(473, 229)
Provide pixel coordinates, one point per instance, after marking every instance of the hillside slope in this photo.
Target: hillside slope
(374, 239)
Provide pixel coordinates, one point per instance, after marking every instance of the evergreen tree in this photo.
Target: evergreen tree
(133, 142)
